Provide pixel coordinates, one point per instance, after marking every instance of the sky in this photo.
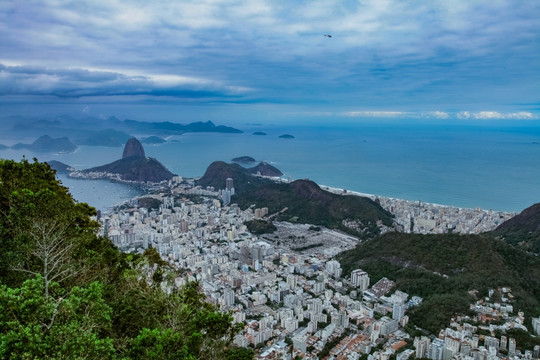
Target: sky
(257, 60)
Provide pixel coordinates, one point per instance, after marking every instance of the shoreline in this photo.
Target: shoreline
(410, 216)
(342, 191)
(430, 218)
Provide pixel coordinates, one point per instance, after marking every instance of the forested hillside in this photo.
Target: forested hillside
(66, 293)
(301, 201)
(443, 268)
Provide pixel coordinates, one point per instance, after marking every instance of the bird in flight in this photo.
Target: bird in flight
(328, 36)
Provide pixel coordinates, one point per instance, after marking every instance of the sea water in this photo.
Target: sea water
(483, 165)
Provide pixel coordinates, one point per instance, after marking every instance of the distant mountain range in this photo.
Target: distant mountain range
(101, 132)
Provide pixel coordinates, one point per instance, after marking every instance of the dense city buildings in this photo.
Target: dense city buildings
(299, 303)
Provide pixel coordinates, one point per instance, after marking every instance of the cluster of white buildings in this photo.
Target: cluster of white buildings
(292, 304)
(425, 218)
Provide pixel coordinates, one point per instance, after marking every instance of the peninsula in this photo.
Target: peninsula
(134, 167)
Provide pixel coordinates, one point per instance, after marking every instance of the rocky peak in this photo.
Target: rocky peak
(133, 148)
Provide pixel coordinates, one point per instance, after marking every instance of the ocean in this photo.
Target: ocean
(464, 165)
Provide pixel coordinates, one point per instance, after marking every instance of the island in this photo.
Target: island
(153, 140)
(244, 160)
(260, 133)
(286, 136)
(46, 143)
(265, 169)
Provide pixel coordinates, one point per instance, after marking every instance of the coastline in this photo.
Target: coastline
(429, 218)
(412, 216)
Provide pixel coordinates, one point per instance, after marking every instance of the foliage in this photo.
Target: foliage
(30, 192)
(149, 203)
(308, 203)
(442, 268)
(307, 247)
(260, 227)
(522, 230)
(66, 293)
(68, 325)
(301, 201)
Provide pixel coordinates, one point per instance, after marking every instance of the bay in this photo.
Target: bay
(481, 165)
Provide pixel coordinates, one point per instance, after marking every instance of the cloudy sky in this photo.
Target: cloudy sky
(236, 59)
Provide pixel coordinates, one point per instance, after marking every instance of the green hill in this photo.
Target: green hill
(216, 174)
(442, 268)
(522, 230)
(66, 293)
(304, 200)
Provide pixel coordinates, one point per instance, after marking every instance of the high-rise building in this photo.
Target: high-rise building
(536, 325)
(421, 345)
(299, 342)
(491, 342)
(333, 268)
(228, 296)
(229, 183)
(291, 280)
(511, 347)
(360, 279)
(436, 349)
(398, 311)
(503, 343)
(536, 352)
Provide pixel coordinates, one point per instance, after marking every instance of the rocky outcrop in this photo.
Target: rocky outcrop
(133, 148)
(134, 166)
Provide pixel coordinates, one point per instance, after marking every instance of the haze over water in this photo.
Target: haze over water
(487, 166)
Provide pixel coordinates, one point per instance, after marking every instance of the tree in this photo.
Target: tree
(52, 251)
(70, 325)
(66, 293)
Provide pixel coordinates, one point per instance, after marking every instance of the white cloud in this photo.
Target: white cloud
(462, 115)
(495, 115)
(381, 114)
(437, 114)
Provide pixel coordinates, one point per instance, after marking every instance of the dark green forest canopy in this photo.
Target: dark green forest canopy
(301, 201)
(443, 268)
(67, 293)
